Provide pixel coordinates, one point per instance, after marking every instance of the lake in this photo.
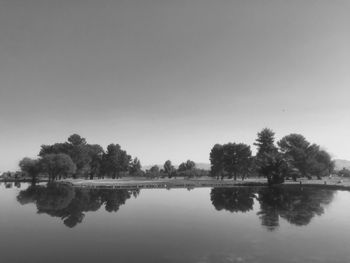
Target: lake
(241, 224)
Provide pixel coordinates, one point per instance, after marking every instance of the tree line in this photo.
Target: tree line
(78, 159)
(292, 157)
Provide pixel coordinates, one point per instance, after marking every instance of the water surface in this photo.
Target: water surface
(241, 224)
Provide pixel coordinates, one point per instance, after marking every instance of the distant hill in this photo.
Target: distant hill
(204, 166)
(340, 164)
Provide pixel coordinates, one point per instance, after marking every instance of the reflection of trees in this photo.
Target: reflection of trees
(114, 199)
(70, 203)
(295, 204)
(239, 199)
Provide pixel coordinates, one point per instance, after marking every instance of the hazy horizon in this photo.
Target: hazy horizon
(169, 79)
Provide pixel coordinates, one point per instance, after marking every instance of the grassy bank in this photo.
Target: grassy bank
(333, 183)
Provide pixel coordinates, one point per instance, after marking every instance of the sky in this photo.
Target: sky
(167, 79)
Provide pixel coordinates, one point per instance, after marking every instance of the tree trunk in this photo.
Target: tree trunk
(33, 180)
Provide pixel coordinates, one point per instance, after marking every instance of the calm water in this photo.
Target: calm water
(63, 224)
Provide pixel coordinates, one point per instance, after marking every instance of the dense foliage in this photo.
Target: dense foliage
(76, 158)
(230, 160)
(294, 157)
(296, 205)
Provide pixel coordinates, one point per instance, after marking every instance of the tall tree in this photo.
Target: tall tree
(269, 162)
(79, 152)
(135, 167)
(168, 168)
(237, 158)
(115, 161)
(265, 143)
(217, 161)
(266, 151)
(95, 152)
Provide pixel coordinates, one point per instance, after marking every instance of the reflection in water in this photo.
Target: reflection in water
(295, 204)
(239, 199)
(69, 203)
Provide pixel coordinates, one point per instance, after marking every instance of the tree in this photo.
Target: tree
(266, 150)
(182, 167)
(95, 152)
(153, 171)
(135, 167)
(31, 167)
(168, 168)
(295, 147)
(308, 159)
(115, 161)
(79, 151)
(217, 161)
(232, 158)
(57, 165)
(269, 162)
(265, 143)
(344, 172)
(319, 162)
(236, 159)
(188, 165)
(275, 168)
(77, 148)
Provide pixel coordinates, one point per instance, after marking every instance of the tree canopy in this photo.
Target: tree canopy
(231, 159)
(57, 165)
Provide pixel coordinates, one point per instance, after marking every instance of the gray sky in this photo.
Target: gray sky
(169, 79)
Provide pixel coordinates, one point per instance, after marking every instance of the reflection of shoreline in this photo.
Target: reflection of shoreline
(26, 180)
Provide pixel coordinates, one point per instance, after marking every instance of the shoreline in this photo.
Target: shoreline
(165, 183)
(336, 183)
